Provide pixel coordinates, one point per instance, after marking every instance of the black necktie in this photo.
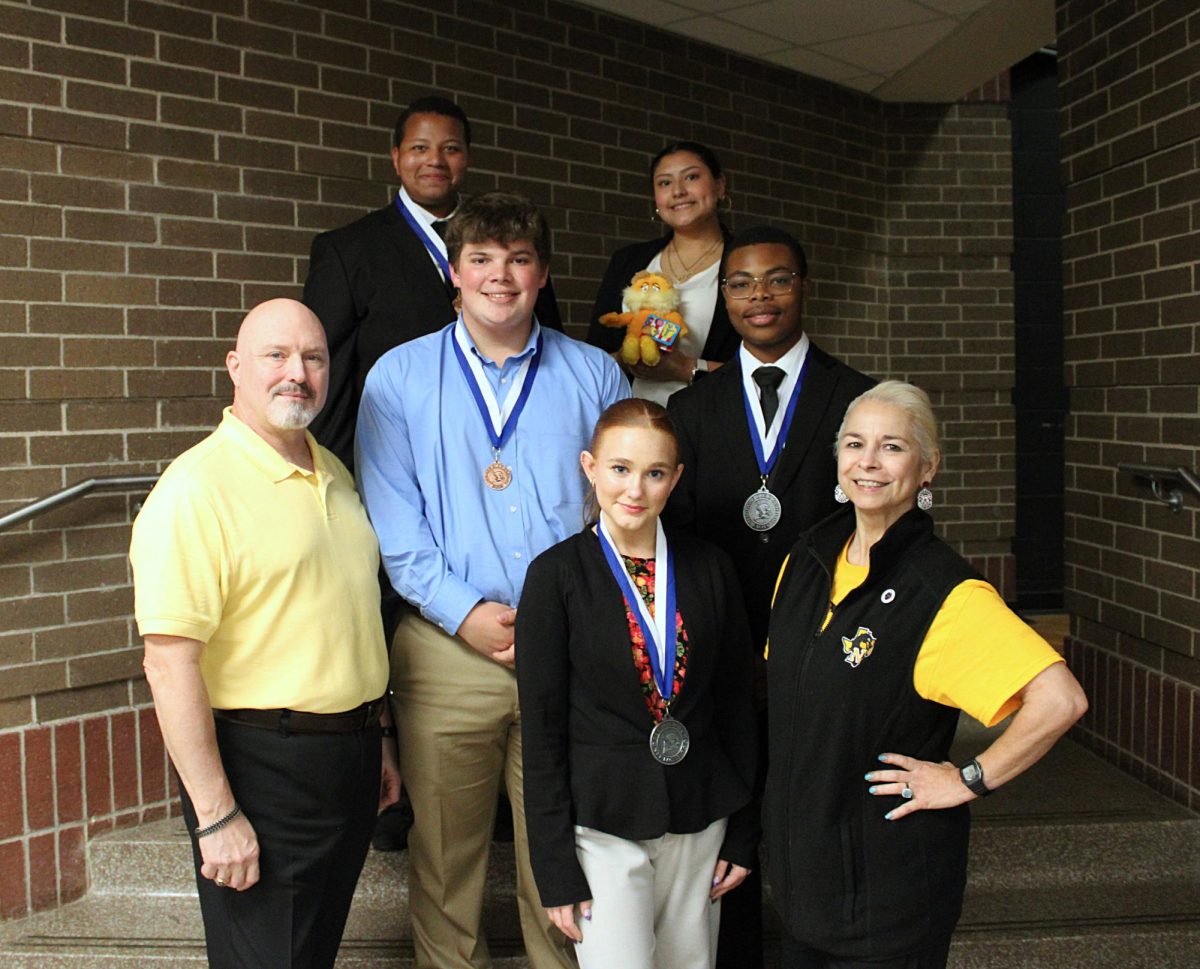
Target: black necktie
(768, 380)
(440, 226)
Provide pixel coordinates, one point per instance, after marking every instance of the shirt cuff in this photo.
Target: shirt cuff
(183, 628)
(450, 605)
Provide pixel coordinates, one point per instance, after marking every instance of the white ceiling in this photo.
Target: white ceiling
(896, 50)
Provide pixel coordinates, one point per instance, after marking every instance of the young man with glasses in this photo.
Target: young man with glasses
(741, 486)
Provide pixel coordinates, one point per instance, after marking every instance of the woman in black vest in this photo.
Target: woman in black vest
(690, 192)
(880, 634)
(637, 723)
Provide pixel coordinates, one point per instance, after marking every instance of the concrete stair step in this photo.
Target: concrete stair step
(1070, 853)
(1073, 865)
(124, 931)
(1148, 946)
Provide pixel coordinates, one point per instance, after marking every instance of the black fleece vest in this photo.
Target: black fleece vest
(847, 881)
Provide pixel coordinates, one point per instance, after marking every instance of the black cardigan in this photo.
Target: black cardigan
(722, 341)
(585, 726)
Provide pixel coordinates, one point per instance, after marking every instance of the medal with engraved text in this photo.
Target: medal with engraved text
(669, 740)
(497, 475)
(762, 509)
(499, 419)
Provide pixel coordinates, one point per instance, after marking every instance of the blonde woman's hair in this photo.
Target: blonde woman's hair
(914, 402)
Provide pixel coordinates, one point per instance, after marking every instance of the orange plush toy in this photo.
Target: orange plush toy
(653, 323)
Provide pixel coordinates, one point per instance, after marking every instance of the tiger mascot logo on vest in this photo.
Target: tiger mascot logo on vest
(860, 647)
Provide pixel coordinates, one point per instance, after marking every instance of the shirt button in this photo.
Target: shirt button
(516, 555)
(503, 380)
(512, 507)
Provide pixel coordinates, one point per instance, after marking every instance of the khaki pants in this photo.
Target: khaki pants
(459, 731)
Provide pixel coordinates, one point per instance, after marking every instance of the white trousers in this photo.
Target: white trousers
(650, 905)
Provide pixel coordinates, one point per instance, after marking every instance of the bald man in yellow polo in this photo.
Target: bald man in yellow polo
(256, 593)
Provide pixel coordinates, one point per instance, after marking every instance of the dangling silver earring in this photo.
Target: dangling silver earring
(655, 217)
(925, 498)
(838, 495)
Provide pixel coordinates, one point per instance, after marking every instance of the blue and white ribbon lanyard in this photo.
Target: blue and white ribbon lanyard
(669, 740)
(433, 242)
(500, 419)
(762, 510)
(657, 629)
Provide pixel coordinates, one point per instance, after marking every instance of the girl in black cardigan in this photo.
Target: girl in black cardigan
(637, 723)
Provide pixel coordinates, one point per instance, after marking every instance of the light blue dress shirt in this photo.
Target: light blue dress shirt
(447, 540)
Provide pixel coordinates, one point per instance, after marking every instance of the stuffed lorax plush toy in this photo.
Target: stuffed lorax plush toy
(653, 323)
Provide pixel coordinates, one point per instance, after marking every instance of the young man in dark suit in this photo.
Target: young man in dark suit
(756, 442)
(382, 280)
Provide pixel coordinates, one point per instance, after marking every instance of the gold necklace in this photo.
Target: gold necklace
(688, 271)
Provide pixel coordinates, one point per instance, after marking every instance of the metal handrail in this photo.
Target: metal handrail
(1161, 478)
(72, 492)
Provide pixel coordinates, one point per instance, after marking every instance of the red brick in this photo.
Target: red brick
(13, 881)
(125, 760)
(72, 863)
(43, 872)
(68, 769)
(12, 799)
(39, 779)
(154, 763)
(98, 766)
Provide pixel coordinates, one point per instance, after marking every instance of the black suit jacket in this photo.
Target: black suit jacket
(585, 727)
(720, 471)
(722, 340)
(373, 286)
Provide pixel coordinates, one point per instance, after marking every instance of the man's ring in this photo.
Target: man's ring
(220, 883)
(906, 793)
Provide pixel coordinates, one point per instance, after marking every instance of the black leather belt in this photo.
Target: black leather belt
(362, 717)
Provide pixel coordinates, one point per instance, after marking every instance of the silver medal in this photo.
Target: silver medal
(762, 510)
(669, 741)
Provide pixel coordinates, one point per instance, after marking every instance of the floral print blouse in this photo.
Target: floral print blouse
(641, 571)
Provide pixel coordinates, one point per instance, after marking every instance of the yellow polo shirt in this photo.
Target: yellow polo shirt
(272, 567)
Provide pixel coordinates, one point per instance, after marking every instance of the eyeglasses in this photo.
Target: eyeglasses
(743, 286)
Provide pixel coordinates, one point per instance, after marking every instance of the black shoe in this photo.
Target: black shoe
(392, 827)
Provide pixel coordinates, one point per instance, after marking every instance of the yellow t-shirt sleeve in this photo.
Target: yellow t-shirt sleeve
(978, 654)
(176, 556)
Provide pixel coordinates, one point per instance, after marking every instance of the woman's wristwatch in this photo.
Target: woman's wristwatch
(972, 776)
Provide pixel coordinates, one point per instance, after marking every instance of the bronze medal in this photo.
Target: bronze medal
(497, 476)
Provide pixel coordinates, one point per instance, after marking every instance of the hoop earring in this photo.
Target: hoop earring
(727, 198)
(925, 497)
(838, 495)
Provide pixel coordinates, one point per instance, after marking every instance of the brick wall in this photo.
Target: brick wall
(1131, 130)
(164, 166)
(61, 784)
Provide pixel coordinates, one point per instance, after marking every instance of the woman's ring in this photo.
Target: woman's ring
(220, 883)
(906, 793)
